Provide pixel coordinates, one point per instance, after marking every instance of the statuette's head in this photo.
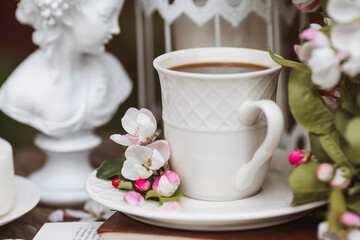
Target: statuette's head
(44, 14)
(87, 24)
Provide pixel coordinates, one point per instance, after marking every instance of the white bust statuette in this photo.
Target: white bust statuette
(7, 187)
(67, 87)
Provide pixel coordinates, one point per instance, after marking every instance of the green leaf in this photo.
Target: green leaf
(110, 168)
(331, 144)
(152, 194)
(305, 185)
(358, 100)
(353, 153)
(355, 79)
(337, 207)
(175, 197)
(306, 104)
(353, 203)
(125, 185)
(323, 4)
(348, 101)
(342, 119)
(352, 132)
(288, 63)
(326, 30)
(317, 149)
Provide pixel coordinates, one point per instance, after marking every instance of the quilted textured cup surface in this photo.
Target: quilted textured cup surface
(194, 103)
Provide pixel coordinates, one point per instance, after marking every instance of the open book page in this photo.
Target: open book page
(69, 231)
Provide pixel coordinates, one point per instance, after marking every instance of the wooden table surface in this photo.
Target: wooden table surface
(28, 159)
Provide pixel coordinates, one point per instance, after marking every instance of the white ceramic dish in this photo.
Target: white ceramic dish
(271, 206)
(26, 198)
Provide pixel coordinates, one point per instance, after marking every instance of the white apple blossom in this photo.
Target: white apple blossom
(142, 160)
(323, 61)
(140, 126)
(316, 39)
(343, 11)
(325, 68)
(345, 36)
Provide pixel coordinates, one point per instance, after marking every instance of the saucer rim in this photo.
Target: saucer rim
(205, 218)
(31, 196)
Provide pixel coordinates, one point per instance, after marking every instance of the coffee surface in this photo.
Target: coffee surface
(219, 68)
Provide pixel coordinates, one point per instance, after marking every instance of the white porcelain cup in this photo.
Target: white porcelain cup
(221, 143)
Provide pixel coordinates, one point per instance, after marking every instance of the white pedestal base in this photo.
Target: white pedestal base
(61, 180)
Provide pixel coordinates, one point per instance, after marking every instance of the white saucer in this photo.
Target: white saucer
(26, 198)
(269, 207)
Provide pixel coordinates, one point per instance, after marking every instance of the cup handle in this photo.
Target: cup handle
(248, 113)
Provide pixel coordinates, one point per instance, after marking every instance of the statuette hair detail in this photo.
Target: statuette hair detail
(43, 14)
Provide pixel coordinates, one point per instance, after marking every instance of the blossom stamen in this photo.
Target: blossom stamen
(147, 163)
(136, 131)
(358, 20)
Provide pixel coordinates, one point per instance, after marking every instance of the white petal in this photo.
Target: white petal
(77, 214)
(347, 37)
(316, 36)
(157, 161)
(129, 122)
(315, 26)
(128, 170)
(95, 208)
(147, 124)
(306, 50)
(166, 189)
(328, 21)
(343, 11)
(56, 216)
(352, 67)
(121, 139)
(325, 68)
(323, 228)
(171, 206)
(140, 153)
(354, 234)
(163, 147)
(142, 172)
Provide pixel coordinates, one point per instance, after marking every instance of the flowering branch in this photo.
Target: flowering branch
(324, 97)
(144, 164)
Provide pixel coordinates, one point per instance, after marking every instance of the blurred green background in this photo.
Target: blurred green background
(16, 45)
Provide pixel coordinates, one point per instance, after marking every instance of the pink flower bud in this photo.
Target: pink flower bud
(142, 185)
(297, 157)
(134, 198)
(167, 184)
(115, 182)
(307, 6)
(339, 180)
(350, 219)
(172, 206)
(172, 177)
(325, 172)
